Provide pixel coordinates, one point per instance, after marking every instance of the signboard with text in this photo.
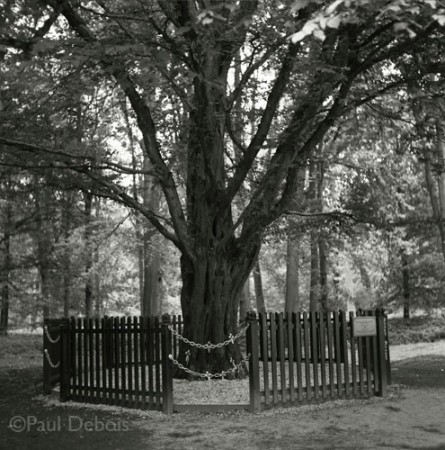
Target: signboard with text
(364, 326)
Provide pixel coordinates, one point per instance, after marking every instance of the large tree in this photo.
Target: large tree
(310, 62)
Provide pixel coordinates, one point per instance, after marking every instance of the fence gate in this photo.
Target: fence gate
(303, 357)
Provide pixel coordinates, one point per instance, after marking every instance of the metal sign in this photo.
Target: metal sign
(364, 326)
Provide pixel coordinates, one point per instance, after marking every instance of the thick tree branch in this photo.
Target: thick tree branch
(145, 123)
(264, 126)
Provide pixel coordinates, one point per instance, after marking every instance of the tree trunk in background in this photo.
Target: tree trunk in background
(5, 271)
(44, 250)
(440, 151)
(313, 194)
(151, 305)
(323, 272)
(434, 164)
(405, 285)
(258, 284)
(292, 299)
(138, 219)
(315, 274)
(66, 270)
(322, 244)
(244, 305)
(88, 247)
(98, 307)
(292, 295)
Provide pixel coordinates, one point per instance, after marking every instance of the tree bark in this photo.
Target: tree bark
(405, 285)
(44, 249)
(244, 304)
(151, 305)
(88, 252)
(440, 152)
(322, 252)
(5, 271)
(96, 258)
(66, 264)
(292, 299)
(259, 293)
(315, 274)
(314, 293)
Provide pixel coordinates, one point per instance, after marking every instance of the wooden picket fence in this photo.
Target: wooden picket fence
(119, 361)
(293, 359)
(304, 357)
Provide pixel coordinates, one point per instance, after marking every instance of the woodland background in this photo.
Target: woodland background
(368, 231)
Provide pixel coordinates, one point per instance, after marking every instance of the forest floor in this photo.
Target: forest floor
(411, 416)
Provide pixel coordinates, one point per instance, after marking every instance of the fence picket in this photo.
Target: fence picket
(290, 356)
(98, 394)
(344, 351)
(296, 318)
(329, 328)
(264, 349)
(142, 354)
(307, 359)
(314, 352)
(282, 356)
(353, 356)
(136, 335)
(338, 353)
(321, 320)
(273, 354)
(158, 357)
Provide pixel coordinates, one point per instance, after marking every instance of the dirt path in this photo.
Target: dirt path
(411, 417)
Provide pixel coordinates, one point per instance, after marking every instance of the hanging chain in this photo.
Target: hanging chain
(50, 339)
(209, 375)
(48, 358)
(209, 346)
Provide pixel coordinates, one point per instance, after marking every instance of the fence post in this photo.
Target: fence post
(254, 363)
(46, 366)
(388, 359)
(65, 362)
(381, 352)
(167, 372)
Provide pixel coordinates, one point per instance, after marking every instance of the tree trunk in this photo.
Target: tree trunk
(244, 304)
(209, 300)
(66, 264)
(313, 194)
(44, 249)
(259, 293)
(405, 286)
(88, 245)
(151, 305)
(323, 272)
(5, 272)
(292, 300)
(96, 276)
(315, 274)
(440, 151)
